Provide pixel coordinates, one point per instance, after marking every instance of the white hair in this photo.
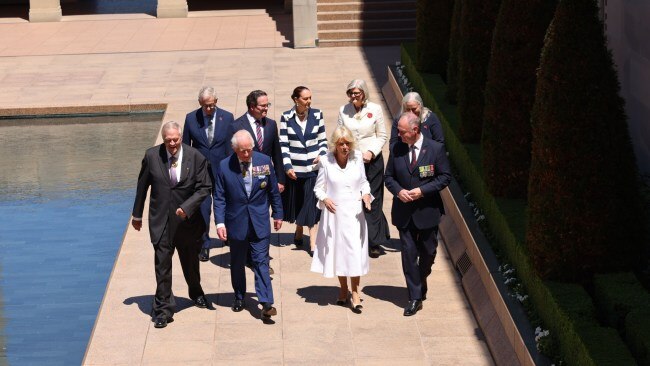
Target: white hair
(207, 91)
(361, 85)
(171, 125)
(234, 141)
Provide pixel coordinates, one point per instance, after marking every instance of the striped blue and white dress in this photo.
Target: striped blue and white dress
(301, 143)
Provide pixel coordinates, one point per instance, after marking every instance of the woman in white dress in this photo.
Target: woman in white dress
(342, 240)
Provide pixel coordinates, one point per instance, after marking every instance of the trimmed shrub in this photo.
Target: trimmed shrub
(432, 35)
(476, 25)
(637, 334)
(509, 94)
(452, 65)
(617, 294)
(585, 214)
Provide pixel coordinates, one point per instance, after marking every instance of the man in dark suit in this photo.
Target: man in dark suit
(416, 172)
(245, 186)
(264, 131)
(207, 130)
(179, 181)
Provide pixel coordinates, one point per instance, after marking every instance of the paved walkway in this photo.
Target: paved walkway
(109, 60)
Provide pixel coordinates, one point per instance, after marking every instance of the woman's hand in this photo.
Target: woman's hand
(367, 156)
(291, 174)
(316, 160)
(330, 205)
(366, 201)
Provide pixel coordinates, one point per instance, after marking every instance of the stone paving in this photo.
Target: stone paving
(88, 62)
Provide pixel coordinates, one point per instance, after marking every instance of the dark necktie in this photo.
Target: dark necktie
(172, 171)
(244, 168)
(210, 130)
(414, 160)
(260, 137)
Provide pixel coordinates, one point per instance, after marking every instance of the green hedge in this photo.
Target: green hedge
(621, 299)
(432, 35)
(637, 334)
(565, 308)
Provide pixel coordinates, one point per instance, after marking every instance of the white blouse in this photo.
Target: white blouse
(367, 126)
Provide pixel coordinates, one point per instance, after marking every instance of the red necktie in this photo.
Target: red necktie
(414, 160)
(260, 137)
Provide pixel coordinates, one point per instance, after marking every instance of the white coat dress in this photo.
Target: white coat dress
(342, 239)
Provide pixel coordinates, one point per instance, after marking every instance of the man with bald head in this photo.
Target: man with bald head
(245, 187)
(178, 177)
(416, 172)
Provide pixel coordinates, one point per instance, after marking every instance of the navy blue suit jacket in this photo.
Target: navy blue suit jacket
(194, 135)
(426, 211)
(271, 144)
(234, 208)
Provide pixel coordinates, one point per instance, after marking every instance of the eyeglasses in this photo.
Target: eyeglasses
(264, 106)
(210, 106)
(354, 94)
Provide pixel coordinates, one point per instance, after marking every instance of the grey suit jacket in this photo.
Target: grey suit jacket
(193, 186)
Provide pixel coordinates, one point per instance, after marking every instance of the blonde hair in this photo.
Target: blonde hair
(342, 132)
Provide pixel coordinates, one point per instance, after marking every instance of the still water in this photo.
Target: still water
(66, 193)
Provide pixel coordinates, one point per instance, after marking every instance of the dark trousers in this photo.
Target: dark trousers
(188, 251)
(206, 209)
(259, 252)
(378, 232)
(419, 248)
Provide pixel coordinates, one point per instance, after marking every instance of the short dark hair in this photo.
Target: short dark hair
(251, 99)
(297, 91)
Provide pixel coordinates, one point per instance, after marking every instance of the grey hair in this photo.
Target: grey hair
(411, 118)
(415, 97)
(358, 84)
(342, 132)
(207, 91)
(234, 141)
(171, 125)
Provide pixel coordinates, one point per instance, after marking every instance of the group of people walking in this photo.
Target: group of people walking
(252, 174)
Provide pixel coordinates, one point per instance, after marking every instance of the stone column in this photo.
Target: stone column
(44, 11)
(172, 9)
(305, 33)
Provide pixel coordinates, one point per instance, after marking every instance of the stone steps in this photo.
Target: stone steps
(365, 22)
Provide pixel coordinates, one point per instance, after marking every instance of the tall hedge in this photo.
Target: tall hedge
(476, 26)
(454, 44)
(585, 214)
(433, 22)
(509, 94)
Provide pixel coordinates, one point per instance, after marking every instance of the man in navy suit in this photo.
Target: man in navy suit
(416, 172)
(245, 187)
(179, 180)
(207, 129)
(264, 131)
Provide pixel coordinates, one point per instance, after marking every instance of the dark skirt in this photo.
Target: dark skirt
(299, 202)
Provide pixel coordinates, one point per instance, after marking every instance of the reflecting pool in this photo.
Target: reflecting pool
(66, 193)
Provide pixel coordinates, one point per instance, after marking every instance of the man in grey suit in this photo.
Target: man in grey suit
(179, 180)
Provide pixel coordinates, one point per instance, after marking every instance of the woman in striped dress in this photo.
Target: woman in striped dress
(303, 141)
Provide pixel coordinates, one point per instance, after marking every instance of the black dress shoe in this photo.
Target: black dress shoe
(238, 306)
(268, 310)
(374, 252)
(161, 321)
(413, 307)
(204, 255)
(201, 302)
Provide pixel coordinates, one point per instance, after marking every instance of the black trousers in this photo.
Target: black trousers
(378, 232)
(419, 247)
(188, 251)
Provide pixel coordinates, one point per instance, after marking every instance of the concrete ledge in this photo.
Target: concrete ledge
(27, 112)
(503, 321)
